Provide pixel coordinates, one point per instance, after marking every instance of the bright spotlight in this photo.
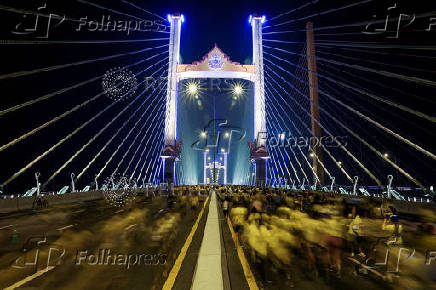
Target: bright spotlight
(227, 135)
(238, 90)
(386, 155)
(311, 155)
(192, 89)
(203, 134)
(222, 150)
(340, 163)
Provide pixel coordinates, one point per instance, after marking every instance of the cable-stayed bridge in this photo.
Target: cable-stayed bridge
(325, 111)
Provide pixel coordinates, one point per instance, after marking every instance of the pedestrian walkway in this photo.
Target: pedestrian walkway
(208, 274)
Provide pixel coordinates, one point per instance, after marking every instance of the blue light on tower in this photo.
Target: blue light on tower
(263, 18)
(169, 18)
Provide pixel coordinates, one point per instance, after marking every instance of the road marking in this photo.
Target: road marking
(367, 268)
(245, 266)
(66, 227)
(169, 283)
(5, 227)
(208, 273)
(30, 278)
(129, 227)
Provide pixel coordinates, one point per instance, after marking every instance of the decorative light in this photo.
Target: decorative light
(282, 136)
(263, 19)
(238, 90)
(227, 135)
(250, 18)
(386, 155)
(311, 155)
(340, 163)
(118, 83)
(169, 18)
(183, 18)
(192, 89)
(222, 150)
(203, 134)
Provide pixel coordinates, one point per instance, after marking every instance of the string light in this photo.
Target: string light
(111, 80)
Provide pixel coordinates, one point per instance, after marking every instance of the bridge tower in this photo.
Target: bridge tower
(171, 150)
(258, 150)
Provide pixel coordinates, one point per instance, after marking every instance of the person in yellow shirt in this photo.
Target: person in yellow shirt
(238, 215)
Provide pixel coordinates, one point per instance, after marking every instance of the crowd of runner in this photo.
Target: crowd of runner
(336, 235)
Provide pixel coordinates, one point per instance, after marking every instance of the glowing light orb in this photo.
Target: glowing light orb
(192, 89)
(203, 134)
(238, 90)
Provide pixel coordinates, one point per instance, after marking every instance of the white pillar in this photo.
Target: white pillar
(38, 185)
(204, 167)
(225, 168)
(259, 84)
(171, 104)
(73, 187)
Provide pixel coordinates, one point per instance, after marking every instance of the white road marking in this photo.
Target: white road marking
(66, 227)
(129, 227)
(5, 227)
(30, 278)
